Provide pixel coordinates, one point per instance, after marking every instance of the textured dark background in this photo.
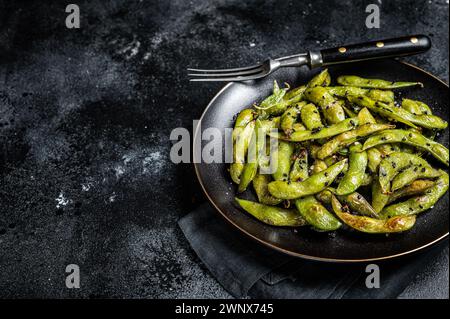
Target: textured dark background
(85, 118)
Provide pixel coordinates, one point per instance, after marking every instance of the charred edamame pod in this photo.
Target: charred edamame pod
(330, 106)
(310, 117)
(412, 138)
(316, 214)
(289, 118)
(399, 114)
(354, 177)
(260, 183)
(372, 225)
(353, 80)
(417, 187)
(393, 164)
(332, 130)
(416, 107)
(359, 204)
(412, 173)
(313, 185)
(282, 157)
(299, 170)
(421, 203)
(374, 158)
(272, 215)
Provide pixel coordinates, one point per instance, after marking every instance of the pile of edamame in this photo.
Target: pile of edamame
(346, 155)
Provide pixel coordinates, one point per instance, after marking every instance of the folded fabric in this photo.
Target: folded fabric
(246, 268)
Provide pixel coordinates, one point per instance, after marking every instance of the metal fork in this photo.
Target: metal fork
(388, 48)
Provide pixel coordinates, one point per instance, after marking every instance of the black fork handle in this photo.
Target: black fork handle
(388, 48)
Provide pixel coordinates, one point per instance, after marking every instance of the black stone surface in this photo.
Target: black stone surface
(85, 119)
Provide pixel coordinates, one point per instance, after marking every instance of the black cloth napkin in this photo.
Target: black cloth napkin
(246, 268)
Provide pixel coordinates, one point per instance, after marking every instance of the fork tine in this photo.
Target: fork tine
(225, 70)
(231, 79)
(233, 74)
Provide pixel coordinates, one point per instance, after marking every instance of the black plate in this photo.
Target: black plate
(342, 245)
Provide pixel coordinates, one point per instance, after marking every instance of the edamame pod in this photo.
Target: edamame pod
(412, 138)
(359, 204)
(353, 80)
(421, 203)
(332, 130)
(365, 117)
(378, 95)
(260, 183)
(345, 139)
(289, 117)
(374, 158)
(399, 114)
(371, 225)
(417, 187)
(321, 79)
(330, 106)
(393, 164)
(381, 95)
(274, 104)
(412, 173)
(379, 199)
(311, 117)
(299, 171)
(313, 185)
(272, 215)
(295, 95)
(354, 177)
(282, 157)
(316, 214)
(416, 107)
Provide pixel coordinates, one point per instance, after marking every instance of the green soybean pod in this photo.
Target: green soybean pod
(372, 225)
(274, 104)
(379, 199)
(354, 177)
(353, 80)
(374, 158)
(417, 187)
(289, 118)
(416, 107)
(299, 170)
(410, 174)
(260, 183)
(412, 138)
(316, 214)
(313, 185)
(394, 164)
(321, 79)
(359, 204)
(311, 117)
(332, 130)
(330, 106)
(272, 215)
(365, 117)
(318, 166)
(282, 157)
(418, 204)
(295, 95)
(385, 96)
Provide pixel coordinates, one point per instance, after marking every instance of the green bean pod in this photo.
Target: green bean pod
(272, 215)
(311, 117)
(299, 170)
(394, 164)
(412, 173)
(353, 80)
(416, 107)
(332, 130)
(313, 185)
(347, 138)
(372, 225)
(354, 177)
(417, 187)
(412, 138)
(330, 106)
(316, 214)
(260, 183)
(399, 114)
(289, 117)
(418, 204)
(282, 157)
